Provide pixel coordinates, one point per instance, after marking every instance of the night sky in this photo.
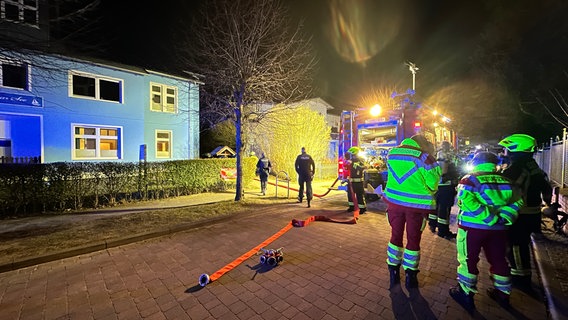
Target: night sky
(363, 45)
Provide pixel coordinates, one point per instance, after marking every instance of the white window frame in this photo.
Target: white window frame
(164, 154)
(97, 79)
(98, 153)
(163, 106)
(22, 7)
(25, 65)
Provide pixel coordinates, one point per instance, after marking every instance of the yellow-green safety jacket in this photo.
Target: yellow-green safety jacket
(413, 176)
(487, 200)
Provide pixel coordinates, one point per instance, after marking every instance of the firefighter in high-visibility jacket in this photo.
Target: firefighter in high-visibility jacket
(410, 193)
(488, 204)
(533, 181)
(355, 186)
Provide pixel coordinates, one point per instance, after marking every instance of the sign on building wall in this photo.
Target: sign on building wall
(21, 99)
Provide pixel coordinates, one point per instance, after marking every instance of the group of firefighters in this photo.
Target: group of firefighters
(498, 210)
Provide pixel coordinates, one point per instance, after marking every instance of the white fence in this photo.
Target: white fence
(552, 159)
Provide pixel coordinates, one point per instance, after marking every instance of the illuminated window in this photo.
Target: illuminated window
(163, 98)
(14, 75)
(92, 142)
(20, 11)
(84, 85)
(163, 144)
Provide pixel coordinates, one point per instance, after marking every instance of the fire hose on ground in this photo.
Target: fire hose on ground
(205, 279)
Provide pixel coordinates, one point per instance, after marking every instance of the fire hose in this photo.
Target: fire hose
(205, 279)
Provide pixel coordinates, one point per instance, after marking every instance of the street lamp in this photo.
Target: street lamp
(413, 68)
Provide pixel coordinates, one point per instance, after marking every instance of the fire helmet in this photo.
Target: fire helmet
(354, 150)
(519, 143)
(484, 157)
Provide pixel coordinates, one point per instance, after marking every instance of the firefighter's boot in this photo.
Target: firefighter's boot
(394, 272)
(501, 297)
(464, 299)
(444, 232)
(411, 278)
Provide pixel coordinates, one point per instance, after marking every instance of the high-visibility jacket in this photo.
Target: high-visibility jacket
(487, 200)
(413, 176)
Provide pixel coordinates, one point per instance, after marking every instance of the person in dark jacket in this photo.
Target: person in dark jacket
(535, 187)
(263, 167)
(305, 168)
(446, 195)
(355, 186)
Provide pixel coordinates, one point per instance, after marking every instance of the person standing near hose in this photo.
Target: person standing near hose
(305, 168)
(355, 186)
(535, 186)
(410, 193)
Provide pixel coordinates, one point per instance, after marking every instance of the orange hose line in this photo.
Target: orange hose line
(294, 223)
(249, 254)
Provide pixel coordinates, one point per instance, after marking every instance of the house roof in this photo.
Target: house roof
(317, 100)
(223, 150)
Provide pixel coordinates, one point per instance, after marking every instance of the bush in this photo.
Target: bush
(56, 187)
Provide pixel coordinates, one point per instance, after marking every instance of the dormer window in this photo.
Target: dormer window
(20, 11)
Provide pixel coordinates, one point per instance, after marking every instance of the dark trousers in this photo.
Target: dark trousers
(357, 189)
(445, 199)
(520, 241)
(308, 182)
(263, 179)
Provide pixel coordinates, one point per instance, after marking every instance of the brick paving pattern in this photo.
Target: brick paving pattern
(330, 271)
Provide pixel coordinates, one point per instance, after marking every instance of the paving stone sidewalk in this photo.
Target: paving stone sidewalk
(330, 271)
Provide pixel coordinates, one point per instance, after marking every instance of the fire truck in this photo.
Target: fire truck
(375, 135)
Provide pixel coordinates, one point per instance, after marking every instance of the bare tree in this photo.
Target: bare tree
(250, 58)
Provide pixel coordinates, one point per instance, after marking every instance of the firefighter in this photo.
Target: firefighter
(488, 204)
(410, 193)
(305, 168)
(355, 185)
(446, 195)
(535, 186)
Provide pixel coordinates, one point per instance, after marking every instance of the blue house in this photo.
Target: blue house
(66, 109)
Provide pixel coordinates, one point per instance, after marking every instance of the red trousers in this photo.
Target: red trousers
(414, 220)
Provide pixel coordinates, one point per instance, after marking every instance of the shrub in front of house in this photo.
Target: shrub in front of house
(28, 189)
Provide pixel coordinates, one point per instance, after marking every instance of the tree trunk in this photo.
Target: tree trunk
(239, 142)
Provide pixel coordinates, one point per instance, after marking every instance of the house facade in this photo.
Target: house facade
(59, 108)
(66, 109)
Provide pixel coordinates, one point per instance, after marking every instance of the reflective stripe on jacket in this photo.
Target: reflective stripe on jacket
(487, 200)
(413, 176)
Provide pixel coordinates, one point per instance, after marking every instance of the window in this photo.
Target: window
(94, 142)
(21, 11)
(95, 87)
(14, 75)
(163, 144)
(163, 98)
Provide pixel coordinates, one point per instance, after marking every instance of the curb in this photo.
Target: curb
(556, 305)
(107, 244)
